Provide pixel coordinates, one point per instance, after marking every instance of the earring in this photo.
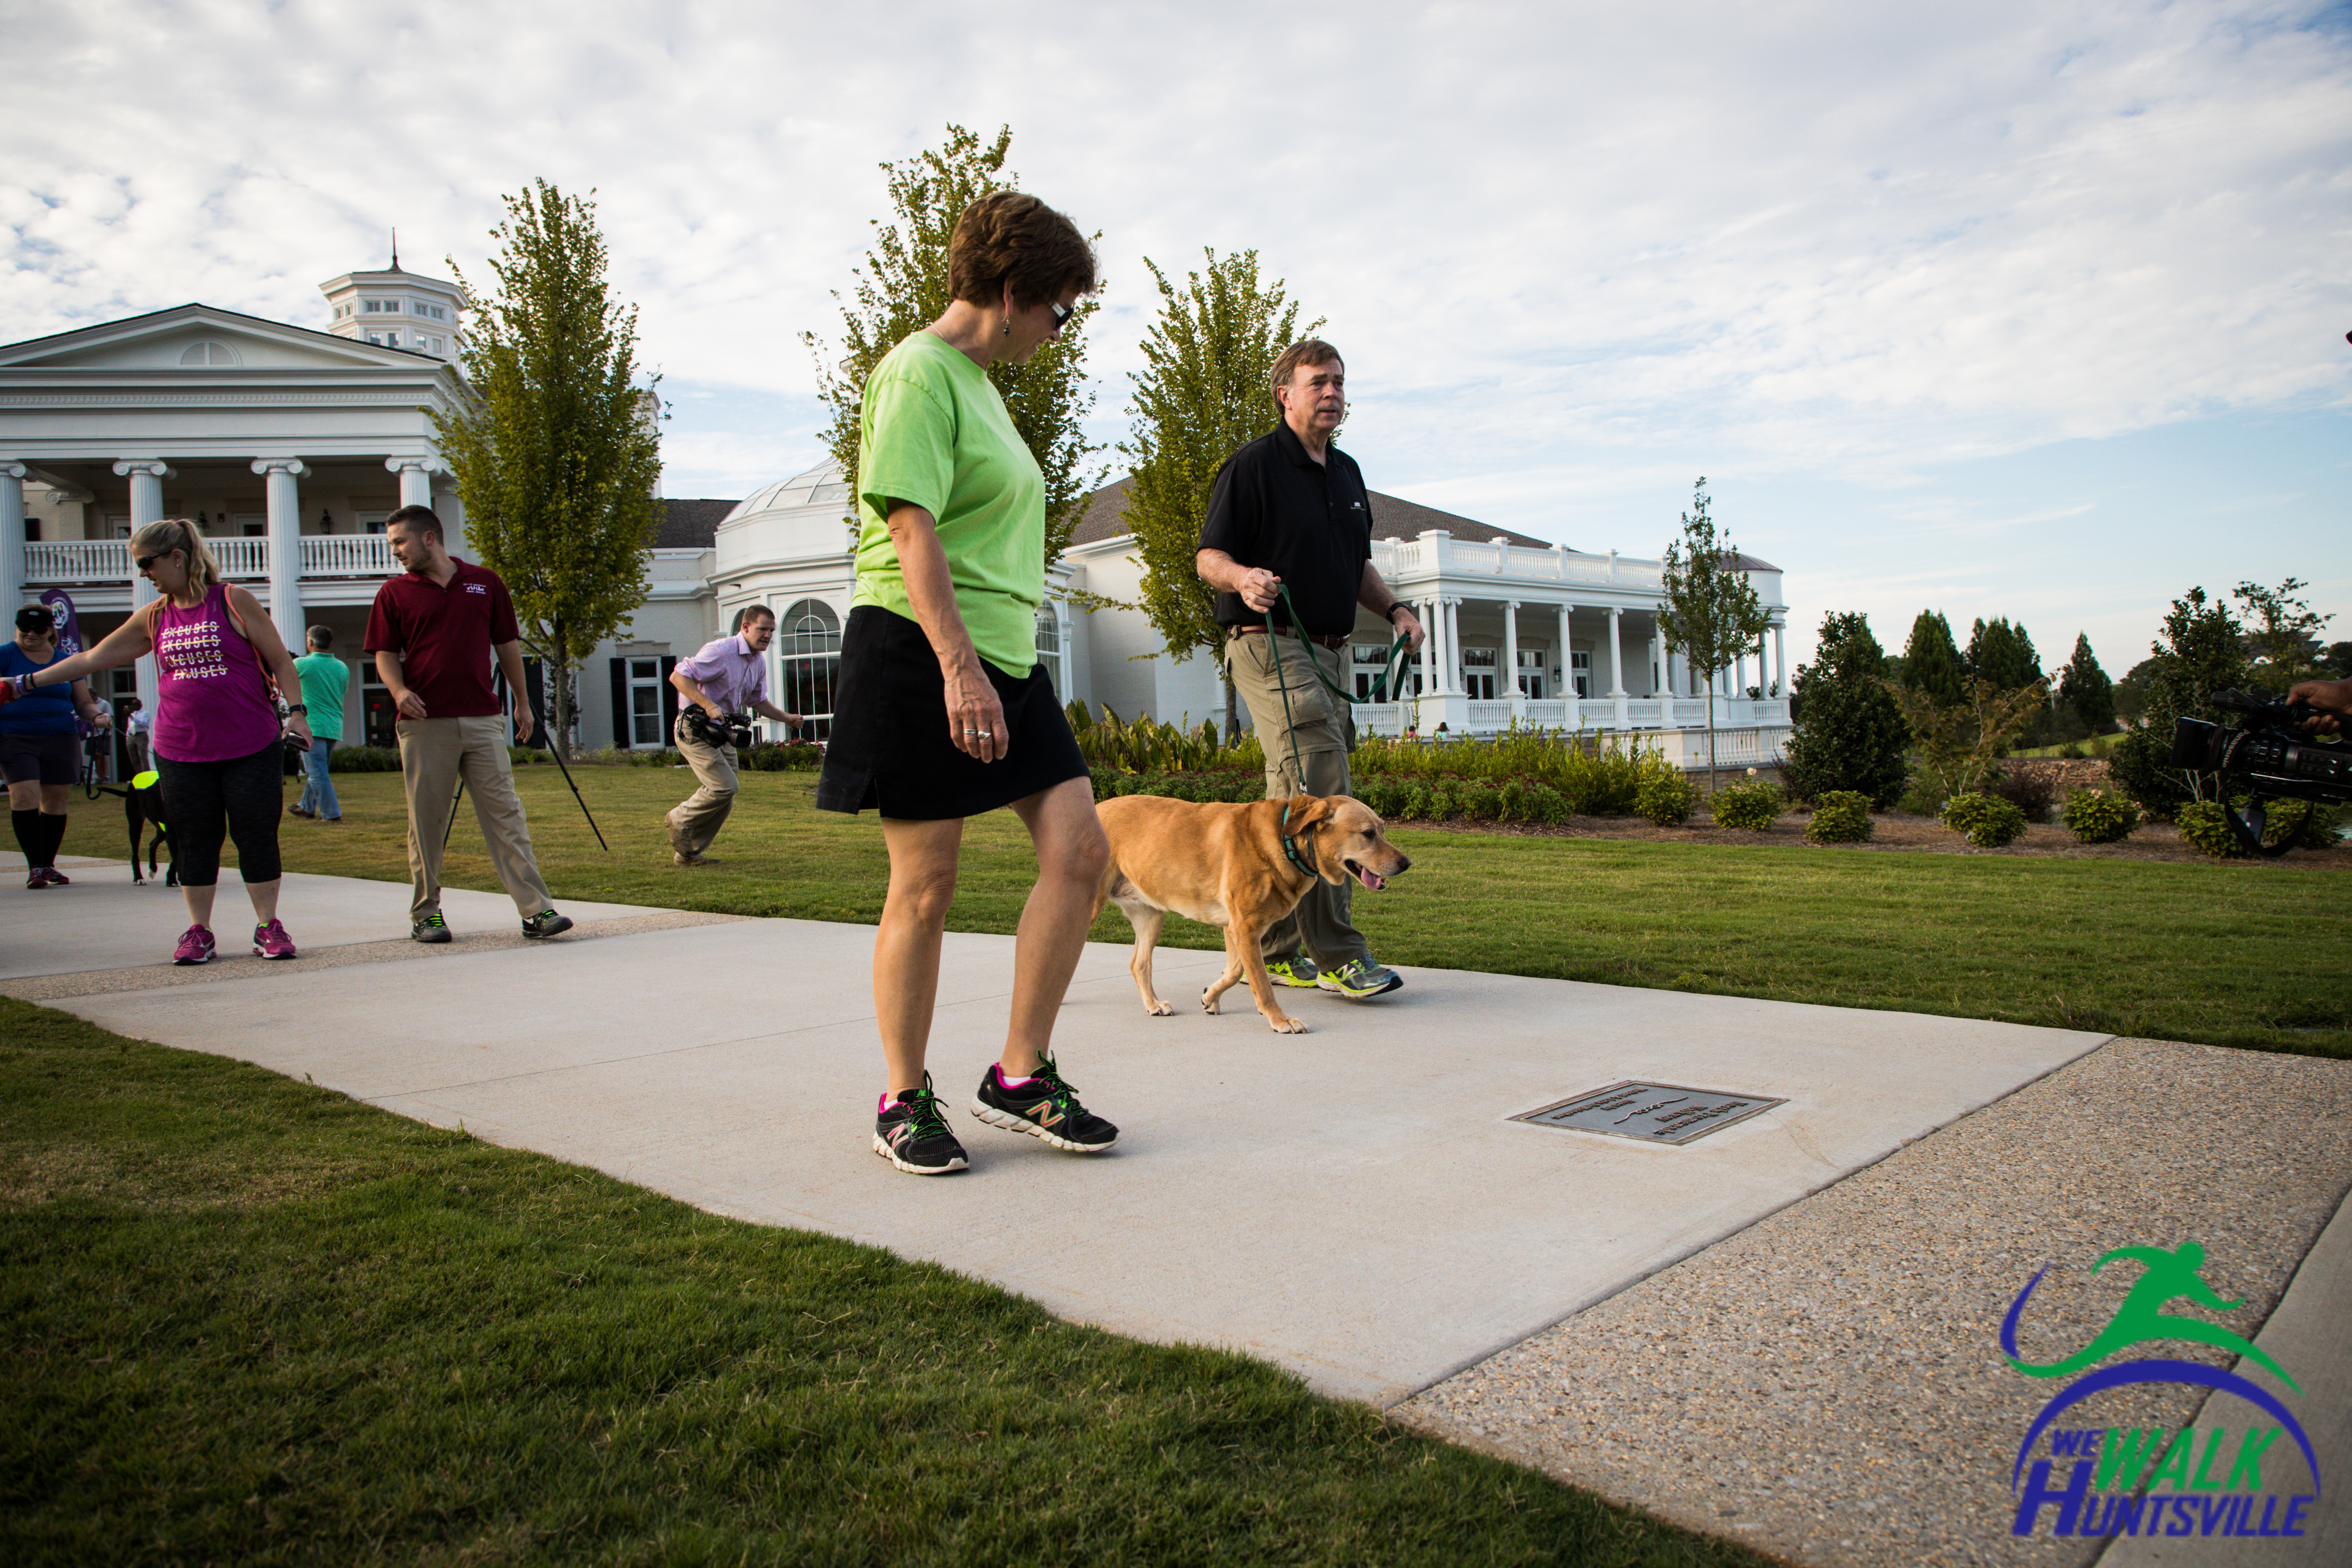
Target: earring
(1008, 328)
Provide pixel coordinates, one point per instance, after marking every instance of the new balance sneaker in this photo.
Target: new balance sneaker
(271, 941)
(1298, 970)
(1043, 1106)
(1358, 978)
(195, 946)
(911, 1133)
(429, 929)
(547, 922)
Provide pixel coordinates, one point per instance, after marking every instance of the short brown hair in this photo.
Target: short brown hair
(421, 518)
(1009, 237)
(1307, 351)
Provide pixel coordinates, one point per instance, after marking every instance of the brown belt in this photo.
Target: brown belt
(1338, 641)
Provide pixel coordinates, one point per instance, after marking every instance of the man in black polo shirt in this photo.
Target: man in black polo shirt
(1290, 510)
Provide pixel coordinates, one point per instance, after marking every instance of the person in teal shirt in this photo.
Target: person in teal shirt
(325, 679)
(941, 709)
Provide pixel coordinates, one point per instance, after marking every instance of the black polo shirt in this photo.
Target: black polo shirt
(1310, 523)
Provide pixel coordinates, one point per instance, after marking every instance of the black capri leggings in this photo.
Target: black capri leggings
(248, 793)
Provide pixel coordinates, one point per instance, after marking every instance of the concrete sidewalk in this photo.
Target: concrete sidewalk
(1356, 1204)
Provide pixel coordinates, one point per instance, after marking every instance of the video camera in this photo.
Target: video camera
(727, 730)
(2275, 760)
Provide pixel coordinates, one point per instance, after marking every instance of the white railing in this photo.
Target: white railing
(1442, 553)
(1546, 713)
(77, 561)
(348, 555)
(1487, 716)
(240, 556)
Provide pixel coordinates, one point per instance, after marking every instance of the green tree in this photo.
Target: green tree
(2131, 693)
(903, 288)
(1931, 661)
(2336, 662)
(1712, 613)
(2202, 652)
(2084, 690)
(1201, 395)
(1961, 744)
(2002, 654)
(2281, 633)
(556, 456)
(1849, 732)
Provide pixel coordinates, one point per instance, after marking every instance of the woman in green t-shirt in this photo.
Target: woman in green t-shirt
(941, 711)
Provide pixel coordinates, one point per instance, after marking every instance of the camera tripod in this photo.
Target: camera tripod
(451, 826)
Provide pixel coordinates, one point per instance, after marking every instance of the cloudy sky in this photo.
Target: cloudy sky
(2003, 309)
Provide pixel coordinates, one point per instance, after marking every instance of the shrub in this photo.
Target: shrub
(2287, 814)
(1754, 805)
(1925, 797)
(363, 760)
(2100, 816)
(2205, 825)
(2030, 789)
(1988, 821)
(795, 757)
(1665, 798)
(1849, 734)
(1841, 816)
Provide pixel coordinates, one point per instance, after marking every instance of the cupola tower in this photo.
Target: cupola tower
(399, 310)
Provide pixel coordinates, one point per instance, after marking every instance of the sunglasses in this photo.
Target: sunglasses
(1061, 312)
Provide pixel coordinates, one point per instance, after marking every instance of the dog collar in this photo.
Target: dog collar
(1289, 850)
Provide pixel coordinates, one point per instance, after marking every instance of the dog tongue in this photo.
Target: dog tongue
(1370, 881)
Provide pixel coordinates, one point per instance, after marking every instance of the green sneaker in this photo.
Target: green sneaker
(547, 922)
(1358, 978)
(1297, 969)
(431, 928)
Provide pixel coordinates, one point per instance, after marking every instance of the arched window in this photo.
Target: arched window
(209, 353)
(808, 643)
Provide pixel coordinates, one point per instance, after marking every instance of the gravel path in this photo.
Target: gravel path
(1827, 1384)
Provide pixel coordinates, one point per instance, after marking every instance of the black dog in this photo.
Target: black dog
(142, 805)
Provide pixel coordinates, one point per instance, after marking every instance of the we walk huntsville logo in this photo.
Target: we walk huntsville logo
(2197, 1484)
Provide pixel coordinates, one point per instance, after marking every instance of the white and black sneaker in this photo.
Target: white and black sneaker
(1042, 1106)
(911, 1133)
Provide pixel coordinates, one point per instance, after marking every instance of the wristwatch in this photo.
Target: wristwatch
(1390, 614)
(294, 708)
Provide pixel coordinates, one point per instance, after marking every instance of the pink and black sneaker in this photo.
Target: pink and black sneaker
(271, 941)
(195, 946)
(56, 877)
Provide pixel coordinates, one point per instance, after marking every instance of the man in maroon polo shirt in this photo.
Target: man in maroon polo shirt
(433, 631)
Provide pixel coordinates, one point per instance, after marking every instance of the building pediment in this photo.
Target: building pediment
(203, 339)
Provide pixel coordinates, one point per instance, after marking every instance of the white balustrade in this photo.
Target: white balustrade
(240, 556)
(1642, 713)
(78, 560)
(1403, 557)
(1547, 714)
(1485, 716)
(348, 555)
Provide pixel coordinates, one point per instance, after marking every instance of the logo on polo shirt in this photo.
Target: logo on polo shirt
(478, 588)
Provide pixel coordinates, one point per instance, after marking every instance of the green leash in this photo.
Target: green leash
(1389, 666)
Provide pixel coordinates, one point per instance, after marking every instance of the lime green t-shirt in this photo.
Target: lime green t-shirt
(325, 679)
(935, 432)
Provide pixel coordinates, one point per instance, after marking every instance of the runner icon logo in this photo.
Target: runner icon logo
(2185, 1492)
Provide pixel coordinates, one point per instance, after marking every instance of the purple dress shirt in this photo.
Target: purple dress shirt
(729, 672)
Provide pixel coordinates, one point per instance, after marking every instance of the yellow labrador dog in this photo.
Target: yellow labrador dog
(1240, 867)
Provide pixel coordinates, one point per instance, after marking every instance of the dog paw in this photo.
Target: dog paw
(1287, 1026)
(1208, 1003)
(1159, 1009)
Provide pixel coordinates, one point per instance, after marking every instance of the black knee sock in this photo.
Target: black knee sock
(54, 836)
(30, 836)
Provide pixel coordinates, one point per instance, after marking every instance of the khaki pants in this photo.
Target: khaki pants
(433, 754)
(695, 821)
(1305, 754)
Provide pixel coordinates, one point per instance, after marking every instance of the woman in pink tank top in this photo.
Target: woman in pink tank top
(216, 727)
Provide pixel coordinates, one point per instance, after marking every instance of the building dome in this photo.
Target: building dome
(821, 486)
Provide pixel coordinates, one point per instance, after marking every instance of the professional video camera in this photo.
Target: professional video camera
(727, 730)
(2271, 757)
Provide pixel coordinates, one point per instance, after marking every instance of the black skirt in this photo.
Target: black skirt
(889, 748)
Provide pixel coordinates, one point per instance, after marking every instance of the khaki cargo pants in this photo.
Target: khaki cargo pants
(433, 754)
(695, 821)
(1305, 755)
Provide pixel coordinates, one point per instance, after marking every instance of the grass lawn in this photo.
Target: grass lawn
(2227, 954)
(252, 1322)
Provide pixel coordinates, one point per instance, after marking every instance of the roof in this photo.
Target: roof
(819, 485)
(195, 310)
(1736, 561)
(689, 524)
(1393, 517)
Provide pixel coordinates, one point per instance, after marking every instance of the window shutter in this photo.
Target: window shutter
(620, 668)
(669, 700)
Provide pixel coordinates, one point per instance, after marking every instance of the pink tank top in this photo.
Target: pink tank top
(212, 703)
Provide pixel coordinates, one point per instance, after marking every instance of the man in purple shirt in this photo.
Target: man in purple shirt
(729, 676)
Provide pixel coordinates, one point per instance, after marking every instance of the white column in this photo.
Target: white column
(1659, 685)
(279, 475)
(12, 539)
(1617, 661)
(1575, 720)
(1511, 659)
(1430, 624)
(1780, 661)
(1453, 645)
(415, 482)
(146, 506)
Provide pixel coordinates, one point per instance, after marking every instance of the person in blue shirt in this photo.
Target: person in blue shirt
(40, 745)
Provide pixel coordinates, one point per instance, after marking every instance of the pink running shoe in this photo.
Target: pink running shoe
(57, 878)
(271, 941)
(195, 946)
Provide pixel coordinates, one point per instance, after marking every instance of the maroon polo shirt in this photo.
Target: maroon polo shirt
(443, 633)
